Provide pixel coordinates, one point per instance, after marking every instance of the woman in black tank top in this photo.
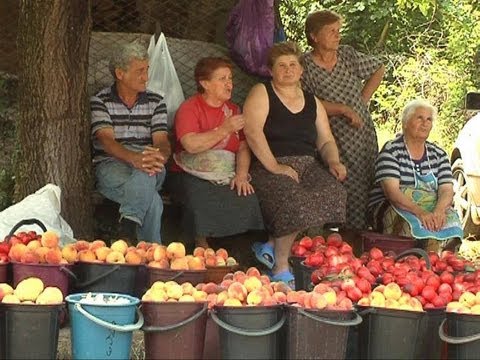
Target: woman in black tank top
(284, 127)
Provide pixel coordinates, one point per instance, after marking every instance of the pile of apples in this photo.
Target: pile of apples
(22, 237)
(30, 291)
(171, 291)
(468, 303)
(321, 297)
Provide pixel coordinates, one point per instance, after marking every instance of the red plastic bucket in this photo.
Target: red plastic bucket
(174, 330)
(51, 275)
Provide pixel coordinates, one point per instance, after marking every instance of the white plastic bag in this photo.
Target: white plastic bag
(162, 76)
(43, 205)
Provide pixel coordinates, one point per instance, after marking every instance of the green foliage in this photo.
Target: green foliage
(431, 49)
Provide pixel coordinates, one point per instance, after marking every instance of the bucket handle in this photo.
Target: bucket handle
(416, 251)
(248, 332)
(106, 324)
(68, 272)
(177, 325)
(176, 276)
(353, 322)
(26, 222)
(100, 277)
(455, 340)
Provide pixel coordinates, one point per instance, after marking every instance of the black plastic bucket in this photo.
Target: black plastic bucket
(431, 345)
(462, 334)
(250, 332)
(391, 333)
(106, 278)
(179, 276)
(174, 330)
(29, 331)
(301, 272)
(318, 334)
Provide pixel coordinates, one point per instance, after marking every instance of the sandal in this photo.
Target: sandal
(264, 254)
(285, 276)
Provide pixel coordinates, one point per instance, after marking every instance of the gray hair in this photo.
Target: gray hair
(413, 105)
(124, 54)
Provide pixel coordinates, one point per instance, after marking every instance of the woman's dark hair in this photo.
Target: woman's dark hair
(280, 49)
(205, 68)
(318, 19)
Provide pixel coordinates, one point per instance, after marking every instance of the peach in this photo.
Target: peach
(179, 264)
(186, 298)
(199, 295)
(253, 271)
(82, 245)
(115, 257)
(222, 253)
(307, 303)
(187, 288)
(255, 297)
(142, 253)
(226, 283)
(132, 257)
(231, 261)
(10, 299)
(54, 256)
(34, 244)
(345, 304)
(331, 297)
(322, 288)
(467, 299)
(252, 283)
(95, 244)
(29, 289)
(175, 250)
(212, 300)
(16, 252)
(377, 299)
(211, 288)
(69, 253)
(49, 239)
(237, 291)
(162, 264)
(404, 299)
(209, 252)
(158, 285)
(199, 251)
(143, 245)
(392, 291)
(239, 276)
(228, 276)
(102, 252)
(159, 252)
(391, 303)
(415, 304)
(318, 301)
(269, 301)
(174, 291)
(120, 246)
(5, 289)
(292, 297)
(268, 289)
(380, 288)
(30, 257)
(232, 302)
(210, 261)
(281, 287)
(42, 251)
(475, 309)
(280, 297)
(149, 254)
(220, 261)
(196, 263)
(453, 306)
(131, 248)
(221, 297)
(86, 256)
(265, 279)
(50, 295)
(364, 301)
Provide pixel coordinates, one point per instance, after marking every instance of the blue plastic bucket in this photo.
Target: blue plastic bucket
(102, 331)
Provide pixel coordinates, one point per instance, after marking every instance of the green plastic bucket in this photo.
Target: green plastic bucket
(103, 331)
(174, 330)
(462, 334)
(254, 332)
(29, 331)
(318, 334)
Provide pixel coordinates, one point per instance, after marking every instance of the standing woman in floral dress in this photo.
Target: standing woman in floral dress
(344, 80)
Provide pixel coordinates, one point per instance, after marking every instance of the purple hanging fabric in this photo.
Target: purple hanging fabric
(249, 34)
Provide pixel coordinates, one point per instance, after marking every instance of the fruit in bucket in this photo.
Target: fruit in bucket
(30, 291)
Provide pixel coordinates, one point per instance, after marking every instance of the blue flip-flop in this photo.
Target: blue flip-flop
(284, 276)
(264, 254)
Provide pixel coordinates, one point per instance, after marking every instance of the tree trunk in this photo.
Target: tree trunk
(54, 128)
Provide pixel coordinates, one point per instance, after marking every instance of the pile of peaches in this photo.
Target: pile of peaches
(30, 291)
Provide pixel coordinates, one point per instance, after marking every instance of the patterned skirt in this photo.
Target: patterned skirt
(288, 206)
(213, 210)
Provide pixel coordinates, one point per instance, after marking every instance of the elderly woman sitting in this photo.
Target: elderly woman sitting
(210, 177)
(414, 184)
